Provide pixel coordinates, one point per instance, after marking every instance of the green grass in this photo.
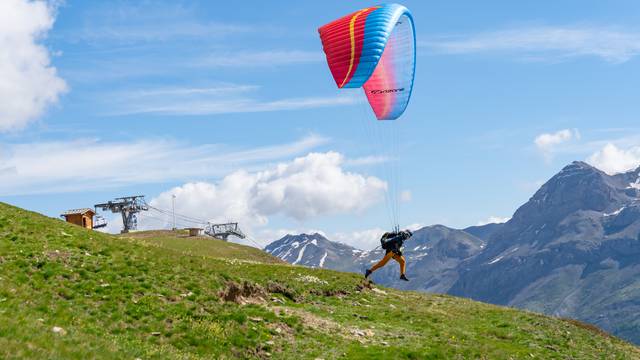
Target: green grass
(157, 295)
(201, 246)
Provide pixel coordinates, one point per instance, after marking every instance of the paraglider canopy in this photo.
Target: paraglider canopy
(374, 48)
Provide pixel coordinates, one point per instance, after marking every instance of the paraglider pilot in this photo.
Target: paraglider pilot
(392, 242)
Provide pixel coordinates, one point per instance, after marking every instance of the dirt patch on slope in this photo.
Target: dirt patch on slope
(245, 293)
(327, 326)
(310, 320)
(276, 288)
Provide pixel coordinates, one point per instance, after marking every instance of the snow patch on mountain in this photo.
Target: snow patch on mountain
(324, 257)
(503, 255)
(300, 254)
(635, 185)
(615, 212)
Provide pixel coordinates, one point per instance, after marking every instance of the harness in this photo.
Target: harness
(392, 242)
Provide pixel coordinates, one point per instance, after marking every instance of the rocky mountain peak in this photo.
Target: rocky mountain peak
(578, 187)
(313, 250)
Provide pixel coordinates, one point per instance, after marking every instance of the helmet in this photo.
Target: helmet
(408, 233)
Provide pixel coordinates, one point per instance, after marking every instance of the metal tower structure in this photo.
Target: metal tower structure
(223, 231)
(128, 207)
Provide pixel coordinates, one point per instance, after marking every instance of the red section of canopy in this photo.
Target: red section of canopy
(342, 46)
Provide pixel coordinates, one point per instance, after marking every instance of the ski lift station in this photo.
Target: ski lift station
(130, 207)
(223, 231)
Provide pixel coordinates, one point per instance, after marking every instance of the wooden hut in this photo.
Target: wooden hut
(80, 217)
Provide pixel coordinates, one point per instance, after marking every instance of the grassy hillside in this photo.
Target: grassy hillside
(66, 292)
(201, 246)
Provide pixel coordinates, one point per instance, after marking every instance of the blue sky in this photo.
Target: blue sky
(148, 97)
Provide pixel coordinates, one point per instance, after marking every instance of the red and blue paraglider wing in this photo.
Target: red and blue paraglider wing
(375, 49)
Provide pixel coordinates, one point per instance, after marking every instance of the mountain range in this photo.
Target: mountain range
(572, 250)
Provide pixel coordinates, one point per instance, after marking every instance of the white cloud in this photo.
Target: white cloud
(367, 239)
(406, 196)
(182, 92)
(315, 185)
(307, 187)
(493, 220)
(260, 58)
(548, 142)
(136, 33)
(144, 22)
(414, 226)
(28, 82)
(229, 99)
(611, 155)
(92, 164)
(547, 43)
(612, 159)
(367, 160)
(545, 141)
